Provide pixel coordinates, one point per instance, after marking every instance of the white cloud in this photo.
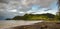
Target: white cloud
(21, 12)
(1, 10)
(23, 6)
(14, 10)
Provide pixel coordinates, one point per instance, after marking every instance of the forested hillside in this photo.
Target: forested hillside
(46, 16)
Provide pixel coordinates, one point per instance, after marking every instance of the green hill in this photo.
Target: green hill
(46, 16)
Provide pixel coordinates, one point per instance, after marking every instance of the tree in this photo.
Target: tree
(18, 18)
(59, 6)
(59, 10)
(8, 19)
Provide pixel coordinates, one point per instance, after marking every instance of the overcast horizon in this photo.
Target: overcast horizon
(12, 8)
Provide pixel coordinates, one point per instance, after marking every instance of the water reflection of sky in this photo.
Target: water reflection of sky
(14, 8)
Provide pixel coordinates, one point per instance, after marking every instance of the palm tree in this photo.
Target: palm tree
(58, 13)
(59, 7)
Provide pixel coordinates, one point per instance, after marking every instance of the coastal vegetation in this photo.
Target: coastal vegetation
(47, 17)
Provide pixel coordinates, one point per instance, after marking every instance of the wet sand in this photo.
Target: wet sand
(40, 25)
(14, 23)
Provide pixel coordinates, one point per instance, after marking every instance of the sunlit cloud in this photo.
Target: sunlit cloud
(12, 10)
(21, 12)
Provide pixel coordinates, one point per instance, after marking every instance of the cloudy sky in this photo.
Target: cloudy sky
(12, 8)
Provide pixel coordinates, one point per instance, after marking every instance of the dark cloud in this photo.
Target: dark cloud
(4, 1)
